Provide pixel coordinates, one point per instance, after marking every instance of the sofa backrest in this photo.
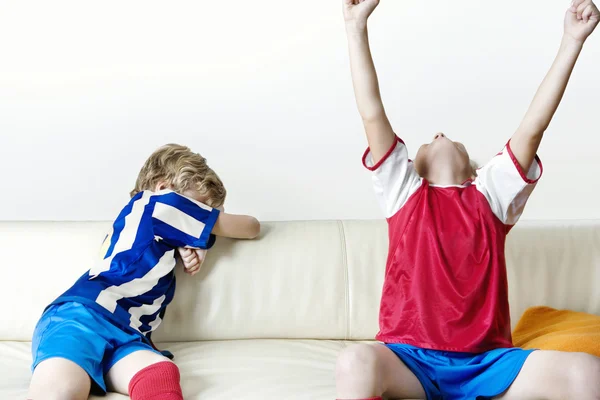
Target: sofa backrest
(318, 280)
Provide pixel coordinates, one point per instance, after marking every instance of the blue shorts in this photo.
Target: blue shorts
(449, 375)
(86, 337)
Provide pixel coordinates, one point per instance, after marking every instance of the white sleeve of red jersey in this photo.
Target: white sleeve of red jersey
(506, 186)
(395, 178)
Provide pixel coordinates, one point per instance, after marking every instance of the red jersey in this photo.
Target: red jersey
(445, 282)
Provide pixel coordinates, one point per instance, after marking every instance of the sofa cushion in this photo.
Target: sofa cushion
(299, 280)
(219, 370)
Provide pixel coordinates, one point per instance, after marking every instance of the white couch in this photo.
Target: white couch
(266, 319)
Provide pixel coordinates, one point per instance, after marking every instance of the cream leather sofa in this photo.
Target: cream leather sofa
(266, 319)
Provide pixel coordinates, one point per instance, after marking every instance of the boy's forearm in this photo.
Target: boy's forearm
(236, 226)
(552, 89)
(364, 76)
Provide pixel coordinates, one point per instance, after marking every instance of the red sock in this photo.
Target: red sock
(159, 381)
(370, 398)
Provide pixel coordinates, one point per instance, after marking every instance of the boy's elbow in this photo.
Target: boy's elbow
(253, 228)
(373, 116)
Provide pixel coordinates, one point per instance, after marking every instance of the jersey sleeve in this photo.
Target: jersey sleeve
(183, 222)
(506, 186)
(395, 178)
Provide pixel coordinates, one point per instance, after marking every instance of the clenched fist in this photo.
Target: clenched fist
(192, 259)
(581, 19)
(358, 11)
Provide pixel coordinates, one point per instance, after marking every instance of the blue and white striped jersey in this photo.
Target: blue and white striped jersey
(133, 280)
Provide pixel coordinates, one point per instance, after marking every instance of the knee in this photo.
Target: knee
(357, 361)
(157, 381)
(584, 376)
(60, 390)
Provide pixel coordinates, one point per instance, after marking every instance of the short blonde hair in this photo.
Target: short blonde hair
(182, 170)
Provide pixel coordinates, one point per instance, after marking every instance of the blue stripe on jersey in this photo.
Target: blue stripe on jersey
(134, 280)
(167, 285)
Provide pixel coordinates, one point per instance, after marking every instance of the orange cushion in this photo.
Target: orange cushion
(545, 328)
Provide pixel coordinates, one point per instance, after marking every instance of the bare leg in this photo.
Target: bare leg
(365, 371)
(556, 375)
(119, 376)
(59, 379)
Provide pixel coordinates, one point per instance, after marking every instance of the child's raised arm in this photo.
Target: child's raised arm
(380, 135)
(580, 21)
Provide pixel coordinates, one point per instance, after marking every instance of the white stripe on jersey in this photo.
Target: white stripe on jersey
(108, 297)
(154, 324)
(127, 235)
(145, 309)
(178, 219)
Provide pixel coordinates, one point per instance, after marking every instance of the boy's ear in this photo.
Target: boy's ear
(161, 186)
(474, 167)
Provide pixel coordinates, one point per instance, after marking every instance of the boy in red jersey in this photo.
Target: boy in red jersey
(444, 317)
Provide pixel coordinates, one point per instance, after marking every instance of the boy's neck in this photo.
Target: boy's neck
(446, 177)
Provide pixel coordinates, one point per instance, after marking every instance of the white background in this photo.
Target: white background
(262, 89)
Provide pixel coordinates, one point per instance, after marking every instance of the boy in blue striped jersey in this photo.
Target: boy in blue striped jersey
(96, 335)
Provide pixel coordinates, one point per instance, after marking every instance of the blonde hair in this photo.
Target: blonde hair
(181, 170)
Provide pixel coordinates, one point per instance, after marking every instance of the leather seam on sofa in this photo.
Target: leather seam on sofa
(346, 277)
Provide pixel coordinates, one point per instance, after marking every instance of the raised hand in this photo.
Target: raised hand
(358, 11)
(581, 19)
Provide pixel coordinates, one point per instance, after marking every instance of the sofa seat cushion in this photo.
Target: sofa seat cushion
(237, 369)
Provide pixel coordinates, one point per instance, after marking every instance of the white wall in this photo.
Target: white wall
(89, 89)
